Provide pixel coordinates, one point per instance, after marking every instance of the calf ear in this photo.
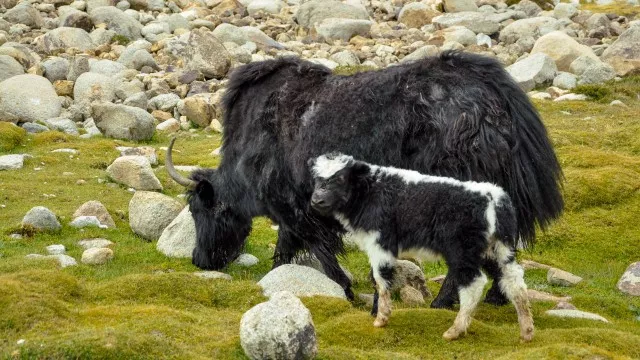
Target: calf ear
(358, 172)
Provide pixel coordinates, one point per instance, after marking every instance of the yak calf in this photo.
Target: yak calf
(393, 213)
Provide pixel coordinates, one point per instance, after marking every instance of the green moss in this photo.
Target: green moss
(595, 92)
(11, 136)
(351, 69)
(120, 40)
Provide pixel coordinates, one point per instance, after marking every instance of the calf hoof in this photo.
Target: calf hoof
(526, 335)
(380, 323)
(496, 298)
(374, 311)
(349, 294)
(451, 334)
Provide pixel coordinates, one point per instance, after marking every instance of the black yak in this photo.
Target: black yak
(457, 114)
(393, 212)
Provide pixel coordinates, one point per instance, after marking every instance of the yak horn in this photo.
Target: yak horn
(188, 183)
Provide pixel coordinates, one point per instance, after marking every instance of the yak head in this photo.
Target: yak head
(221, 229)
(336, 178)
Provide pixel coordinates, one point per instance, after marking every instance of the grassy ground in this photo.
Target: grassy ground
(145, 306)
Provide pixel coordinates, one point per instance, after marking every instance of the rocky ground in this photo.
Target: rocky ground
(95, 238)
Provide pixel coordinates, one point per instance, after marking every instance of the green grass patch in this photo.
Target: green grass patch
(11, 136)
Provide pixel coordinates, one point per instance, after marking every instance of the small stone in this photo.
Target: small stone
(87, 221)
(94, 243)
(618, 103)
(576, 314)
(563, 305)
(246, 260)
(212, 275)
(411, 296)
(11, 162)
(438, 279)
(56, 249)
(147, 151)
(63, 87)
(565, 80)
(572, 97)
(342, 29)
(416, 15)
(95, 208)
(97, 256)
(63, 260)
(169, 126)
(539, 95)
(629, 283)
(562, 278)
(42, 219)
(535, 295)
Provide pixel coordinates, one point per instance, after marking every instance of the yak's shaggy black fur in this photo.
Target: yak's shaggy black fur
(457, 115)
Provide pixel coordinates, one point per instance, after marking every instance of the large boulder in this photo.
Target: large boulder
(416, 15)
(117, 21)
(198, 110)
(123, 122)
(629, 283)
(92, 87)
(9, 67)
(178, 239)
(21, 53)
(474, 21)
(562, 48)
(314, 11)
(29, 98)
(301, 281)
(534, 70)
(42, 219)
(24, 14)
(134, 171)
(150, 213)
(342, 29)
(534, 27)
(205, 53)
(624, 54)
(71, 17)
(62, 38)
(281, 328)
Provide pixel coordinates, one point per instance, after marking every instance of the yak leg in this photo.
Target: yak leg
(383, 265)
(471, 284)
(376, 296)
(448, 294)
(287, 247)
(332, 269)
(495, 295)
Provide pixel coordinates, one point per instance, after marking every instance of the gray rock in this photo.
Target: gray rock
(246, 260)
(64, 125)
(24, 14)
(63, 260)
(134, 171)
(11, 162)
(406, 273)
(92, 87)
(230, 33)
(461, 35)
(314, 11)
(94, 4)
(345, 58)
(624, 53)
(56, 249)
(562, 49)
(597, 74)
(169, 126)
(205, 53)
(629, 283)
(425, 51)
(102, 36)
(90, 128)
(34, 128)
(576, 314)
(535, 295)
(178, 239)
(55, 68)
(107, 68)
(209, 275)
(9, 67)
(70, 17)
(41, 219)
(264, 6)
(534, 70)
(325, 62)
(123, 122)
(416, 15)
(87, 221)
(453, 6)
(164, 102)
(146, 151)
(77, 67)
(581, 63)
(255, 35)
(29, 98)
(564, 10)
(125, 89)
(21, 53)
(60, 39)
(474, 21)
(562, 278)
(530, 8)
(534, 27)
(618, 103)
(154, 28)
(280, 328)
(177, 21)
(137, 59)
(565, 80)
(342, 29)
(138, 100)
(411, 296)
(94, 243)
(150, 213)
(571, 97)
(301, 281)
(117, 21)
(97, 256)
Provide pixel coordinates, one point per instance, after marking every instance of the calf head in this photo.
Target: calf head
(335, 178)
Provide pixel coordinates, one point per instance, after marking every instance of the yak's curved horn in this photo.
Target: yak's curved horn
(168, 162)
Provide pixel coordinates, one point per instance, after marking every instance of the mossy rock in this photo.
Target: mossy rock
(11, 136)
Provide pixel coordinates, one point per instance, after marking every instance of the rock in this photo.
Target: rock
(534, 70)
(123, 122)
(55, 68)
(562, 305)
(453, 6)
(178, 239)
(95, 208)
(94, 4)
(540, 95)
(315, 11)
(138, 100)
(411, 296)
(11, 162)
(205, 53)
(325, 62)
(56, 249)
(342, 29)
(246, 260)
(29, 98)
(70, 17)
(280, 328)
(94, 243)
(624, 54)
(313, 262)
(535, 295)
(34, 128)
(9, 67)
(565, 80)
(24, 14)
(147, 151)
(21, 53)
(164, 102)
(87, 221)
(60, 39)
(576, 314)
(406, 273)
(198, 110)
(629, 283)
(106, 67)
(230, 33)
(580, 64)
(421, 53)
(438, 278)
(460, 35)
(571, 97)
(562, 278)
(597, 74)
(534, 27)
(64, 125)
(618, 103)
(564, 10)
(92, 87)
(63, 260)
(134, 171)
(77, 67)
(562, 49)
(212, 275)
(169, 126)
(258, 37)
(41, 219)
(117, 21)
(301, 281)
(150, 213)
(529, 264)
(137, 59)
(416, 15)
(264, 6)
(97, 256)
(345, 58)
(474, 21)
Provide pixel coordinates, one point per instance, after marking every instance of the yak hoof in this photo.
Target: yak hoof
(496, 298)
(380, 323)
(349, 294)
(526, 335)
(451, 334)
(440, 303)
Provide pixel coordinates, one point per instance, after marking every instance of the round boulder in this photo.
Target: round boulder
(95, 208)
(9, 67)
(97, 256)
(301, 281)
(41, 219)
(60, 39)
(150, 213)
(29, 98)
(134, 171)
(281, 328)
(178, 239)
